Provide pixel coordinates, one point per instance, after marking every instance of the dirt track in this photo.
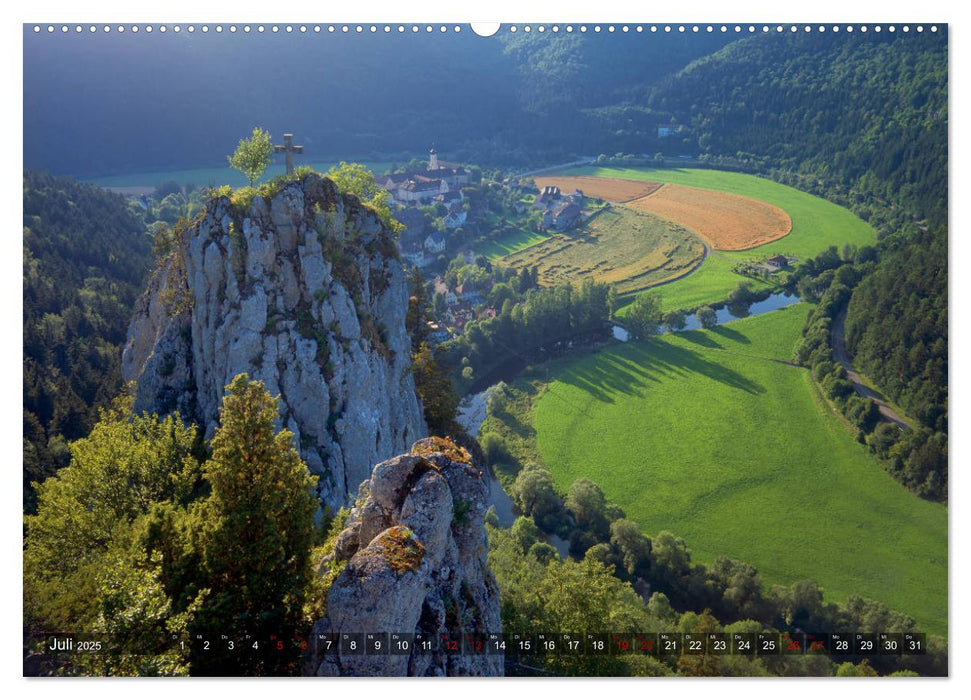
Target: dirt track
(841, 356)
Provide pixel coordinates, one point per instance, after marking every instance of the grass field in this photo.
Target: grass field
(634, 250)
(512, 243)
(700, 434)
(201, 177)
(816, 225)
(710, 282)
(726, 221)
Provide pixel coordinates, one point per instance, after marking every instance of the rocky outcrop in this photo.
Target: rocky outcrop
(303, 290)
(415, 553)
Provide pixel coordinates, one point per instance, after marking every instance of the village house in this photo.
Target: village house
(450, 198)
(436, 332)
(777, 262)
(435, 243)
(458, 315)
(441, 288)
(414, 253)
(419, 188)
(467, 292)
(456, 218)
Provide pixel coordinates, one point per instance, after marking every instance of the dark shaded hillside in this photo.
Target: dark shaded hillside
(113, 103)
(86, 256)
(866, 114)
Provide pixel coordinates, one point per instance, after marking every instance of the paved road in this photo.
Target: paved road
(841, 356)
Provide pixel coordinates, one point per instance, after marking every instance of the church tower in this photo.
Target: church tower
(432, 160)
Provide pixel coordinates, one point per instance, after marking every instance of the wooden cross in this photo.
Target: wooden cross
(289, 149)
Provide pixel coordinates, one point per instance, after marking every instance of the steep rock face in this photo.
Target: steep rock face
(303, 291)
(415, 551)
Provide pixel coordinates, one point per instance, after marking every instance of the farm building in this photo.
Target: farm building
(549, 195)
(777, 262)
(561, 217)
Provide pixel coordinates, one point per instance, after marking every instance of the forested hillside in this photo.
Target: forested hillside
(86, 255)
(896, 324)
(867, 115)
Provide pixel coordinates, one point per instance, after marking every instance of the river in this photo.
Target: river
(773, 302)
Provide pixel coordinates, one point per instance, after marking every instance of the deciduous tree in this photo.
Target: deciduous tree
(252, 155)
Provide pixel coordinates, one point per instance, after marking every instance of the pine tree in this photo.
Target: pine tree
(256, 539)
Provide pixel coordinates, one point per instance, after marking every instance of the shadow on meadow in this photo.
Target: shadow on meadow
(701, 338)
(633, 367)
(731, 334)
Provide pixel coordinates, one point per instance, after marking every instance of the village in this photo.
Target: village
(449, 211)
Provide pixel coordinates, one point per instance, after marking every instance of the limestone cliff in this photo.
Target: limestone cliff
(415, 553)
(303, 290)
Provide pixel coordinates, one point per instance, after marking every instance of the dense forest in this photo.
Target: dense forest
(86, 257)
(866, 115)
(896, 326)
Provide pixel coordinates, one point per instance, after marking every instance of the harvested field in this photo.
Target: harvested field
(606, 188)
(726, 221)
(631, 249)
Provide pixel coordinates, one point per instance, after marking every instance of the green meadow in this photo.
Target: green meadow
(707, 435)
(816, 225)
(711, 282)
(512, 243)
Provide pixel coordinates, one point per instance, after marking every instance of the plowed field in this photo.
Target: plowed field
(726, 221)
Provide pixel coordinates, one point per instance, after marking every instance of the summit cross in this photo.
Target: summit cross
(289, 149)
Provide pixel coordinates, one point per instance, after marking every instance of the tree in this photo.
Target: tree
(707, 317)
(117, 473)
(257, 530)
(354, 178)
(633, 547)
(674, 320)
(535, 496)
(438, 398)
(252, 155)
(644, 314)
(586, 501)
